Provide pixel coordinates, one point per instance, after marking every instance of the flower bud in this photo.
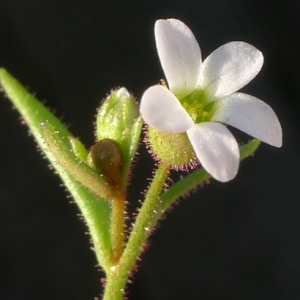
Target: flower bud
(118, 120)
(105, 156)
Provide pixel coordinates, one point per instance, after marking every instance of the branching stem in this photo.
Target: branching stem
(119, 274)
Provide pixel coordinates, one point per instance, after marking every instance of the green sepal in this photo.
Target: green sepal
(118, 119)
(95, 210)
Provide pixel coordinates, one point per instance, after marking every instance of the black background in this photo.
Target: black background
(239, 240)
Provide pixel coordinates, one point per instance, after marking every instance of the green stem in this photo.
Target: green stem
(117, 228)
(119, 274)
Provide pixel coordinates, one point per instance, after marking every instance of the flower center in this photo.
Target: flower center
(198, 106)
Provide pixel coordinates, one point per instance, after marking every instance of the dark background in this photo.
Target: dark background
(239, 240)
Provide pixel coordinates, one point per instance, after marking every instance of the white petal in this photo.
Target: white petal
(216, 149)
(162, 110)
(179, 54)
(229, 68)
(250, 115)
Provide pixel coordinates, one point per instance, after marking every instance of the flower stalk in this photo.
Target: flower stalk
(119, 274)
(117, 228)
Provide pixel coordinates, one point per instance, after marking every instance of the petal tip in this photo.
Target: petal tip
(230, 67)
(277, 139)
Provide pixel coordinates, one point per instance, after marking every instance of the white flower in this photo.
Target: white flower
(202, 97)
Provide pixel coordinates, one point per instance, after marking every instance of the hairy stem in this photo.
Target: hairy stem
(119, 274)
(117, 228)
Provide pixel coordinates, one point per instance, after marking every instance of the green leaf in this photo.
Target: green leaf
(60, 148)
(78, 148)
(95, 210)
